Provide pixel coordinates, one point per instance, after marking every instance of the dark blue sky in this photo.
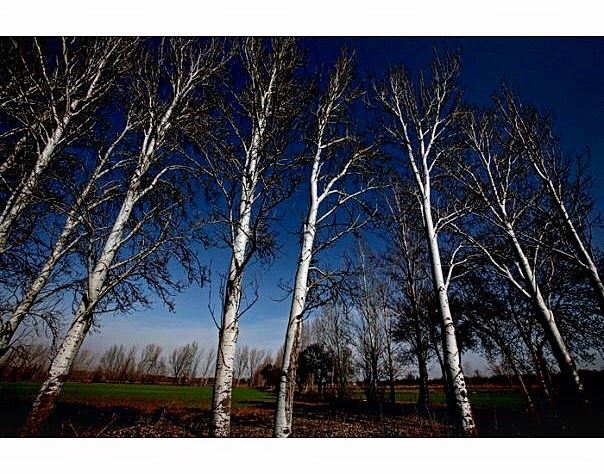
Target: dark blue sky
(561, 75)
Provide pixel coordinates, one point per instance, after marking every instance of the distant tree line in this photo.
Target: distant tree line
(188, 364)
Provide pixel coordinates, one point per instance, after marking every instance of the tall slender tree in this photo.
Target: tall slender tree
(245, 164)
(495, 176)
(422, 123)
(56, 87)
(338, 157)
(148, 219)
(570, 200)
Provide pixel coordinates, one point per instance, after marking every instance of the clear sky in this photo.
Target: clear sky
(563, 75)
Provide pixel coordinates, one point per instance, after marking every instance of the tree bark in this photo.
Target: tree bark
(229, 330)
(63, 361)
(20, 198)
(452, 358)
(225, 357)
(62, 245)
(59, 371)
(548, 323)
(287, 381)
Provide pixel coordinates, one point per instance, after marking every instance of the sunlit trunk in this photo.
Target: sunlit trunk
(452, 357)
(546, 319)
(287, 381)
(225, 356)
(63, 361)
(229, 331)
(59, 371)
(29, 299)
(22, 196)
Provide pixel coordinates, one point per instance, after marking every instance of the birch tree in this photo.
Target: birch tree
(339, 158)
(496, 177)
(421, 121)
(146, 221)
(245, 165)
(570, 200)
(93, 193)
(56, 88)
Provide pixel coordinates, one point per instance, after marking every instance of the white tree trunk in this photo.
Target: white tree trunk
(61, 246)
(229, 330)
(452, 357)
(584, 255)
(220, 425)
(546, 319)
(21, 197)
(287, 381)
(63, 361)
(59, 370)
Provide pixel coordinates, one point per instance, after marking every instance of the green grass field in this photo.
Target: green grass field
(109, 394)
(480, 398)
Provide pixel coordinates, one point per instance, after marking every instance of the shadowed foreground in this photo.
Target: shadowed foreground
(137, 410)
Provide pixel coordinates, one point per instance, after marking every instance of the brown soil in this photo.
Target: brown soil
(312, 419)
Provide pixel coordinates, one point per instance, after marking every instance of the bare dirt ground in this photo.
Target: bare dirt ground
(311, 420)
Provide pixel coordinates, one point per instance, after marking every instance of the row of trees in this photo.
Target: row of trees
(122, 158)
(184, 365)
